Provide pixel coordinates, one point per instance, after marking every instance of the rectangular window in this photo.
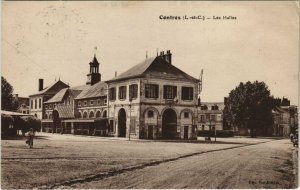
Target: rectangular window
(79, 103)
(46, 107)
(215, 107)
(112, 94)
(204, 107)
(40, 103)
(31, 104)
(170, 92)
(213, 117)
(91, 102)
(122, 92)
(186, 114)
(133, 91)
(35, 104)
(50, 106)
(111, 125)
(202, 118)
(105, 101)
(84, 103)
(207, 116)
(187, 93)
(151, 90)
(98, 102)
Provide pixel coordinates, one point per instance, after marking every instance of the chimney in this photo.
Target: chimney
(41, 84)
(168, 57)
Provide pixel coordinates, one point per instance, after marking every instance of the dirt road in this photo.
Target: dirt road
(265, 165)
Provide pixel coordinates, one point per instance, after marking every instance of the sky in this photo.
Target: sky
(57, 40)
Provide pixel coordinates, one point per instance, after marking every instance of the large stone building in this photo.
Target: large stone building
(154, 99)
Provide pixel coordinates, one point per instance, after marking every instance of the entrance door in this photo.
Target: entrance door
(122, 123)
(186, 132)
(169, 124)
(150, 132)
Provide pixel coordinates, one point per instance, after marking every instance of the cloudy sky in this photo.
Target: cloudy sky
(52, 40)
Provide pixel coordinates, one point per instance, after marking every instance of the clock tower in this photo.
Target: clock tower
(94, 76)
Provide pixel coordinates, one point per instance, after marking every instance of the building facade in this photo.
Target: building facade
(23, 104)
(210, 116)
(36, 101)
(153, 100)
(285, 120)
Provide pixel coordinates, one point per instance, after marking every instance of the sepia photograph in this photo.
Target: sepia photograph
(149, 94)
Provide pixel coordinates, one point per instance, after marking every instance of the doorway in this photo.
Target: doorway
(169, 124)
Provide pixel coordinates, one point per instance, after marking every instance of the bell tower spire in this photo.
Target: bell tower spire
(94, 76)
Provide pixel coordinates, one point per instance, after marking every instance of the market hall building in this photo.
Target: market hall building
(154, 100)
(80, 109)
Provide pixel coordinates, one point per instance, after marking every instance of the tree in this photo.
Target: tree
(8, 102)
(250, 105)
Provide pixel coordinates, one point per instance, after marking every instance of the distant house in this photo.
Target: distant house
(285, 120)
(210, 116)
(37, 100)
(23, 104)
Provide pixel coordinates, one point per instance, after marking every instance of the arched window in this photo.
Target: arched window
(91, 114)
(50, 116)
(79, 115)
(104, 114)
(46, 116)
(98, 113)
(85, 114)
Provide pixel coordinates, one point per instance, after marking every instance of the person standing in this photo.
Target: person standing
(30, 137)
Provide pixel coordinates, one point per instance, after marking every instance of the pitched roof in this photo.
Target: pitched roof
(65, 111)
(136, 70)
(75, 91)
(58, 97)
(82, 87)
(46, 89)
(155, 67)
(97, 90)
